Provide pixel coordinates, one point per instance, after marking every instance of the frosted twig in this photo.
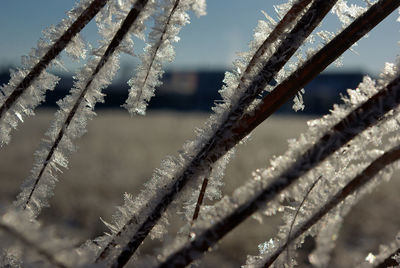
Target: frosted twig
(86, 16)
(117, 39)
(354, 123)
(312, 67)
(359, 181)
(135, 98)
(215, 147)
(290, 17)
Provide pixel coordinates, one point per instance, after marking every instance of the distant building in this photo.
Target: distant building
(197, 91)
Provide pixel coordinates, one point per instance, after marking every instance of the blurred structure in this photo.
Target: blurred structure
(196, 91)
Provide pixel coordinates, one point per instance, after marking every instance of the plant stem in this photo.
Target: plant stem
(118, 37)
(215, 147)
(291, 16)
(200, 200)
(86, 16)
(359, 181)
(315, 65)
(357, 121)
(157, 47)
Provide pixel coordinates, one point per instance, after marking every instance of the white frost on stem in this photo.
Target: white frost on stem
(77, 108)
(35, 93)
(159, 49)
(337, 170)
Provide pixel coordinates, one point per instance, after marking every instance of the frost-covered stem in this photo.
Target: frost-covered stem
(292, 41)
(283, 24)
(86, 16)
(157, 47)
(354, 123)
(215, 147)
(389, 261)
(25, 241)
(118, 37)
(311, 68)
(359, 181)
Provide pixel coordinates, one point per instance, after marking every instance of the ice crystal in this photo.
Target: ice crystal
(339, 168)
(35, 93)
(75, 111)
(159, 49)
(237, 96)
(342, 166)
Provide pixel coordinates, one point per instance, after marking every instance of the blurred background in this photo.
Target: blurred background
(119, 153)
(207, 48)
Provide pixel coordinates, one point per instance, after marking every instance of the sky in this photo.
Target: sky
(209, 42)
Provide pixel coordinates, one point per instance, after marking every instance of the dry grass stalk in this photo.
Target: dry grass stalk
(119, 36)
(357, 121)
(53, 52)
(217, 146)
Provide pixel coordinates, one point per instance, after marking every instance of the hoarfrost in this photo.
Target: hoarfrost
(75, 111)
(35, 93)
(159, 49)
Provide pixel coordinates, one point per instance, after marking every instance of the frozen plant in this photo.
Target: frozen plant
(315, 183)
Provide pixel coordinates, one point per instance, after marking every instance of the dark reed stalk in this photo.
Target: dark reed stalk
(290, 17)
(200, 200)
(210, 152)
(86, 16)
(354, 123)
(118, 37)
(158, 45)
(315, 65)
(359, 181)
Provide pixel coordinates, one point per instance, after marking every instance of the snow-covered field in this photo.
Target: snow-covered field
(119, 153)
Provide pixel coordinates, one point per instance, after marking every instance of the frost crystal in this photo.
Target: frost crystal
(340, 168)
(25, 104)
(159, 49)
(75, 110)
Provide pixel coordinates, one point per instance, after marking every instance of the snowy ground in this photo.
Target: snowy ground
(119, 153)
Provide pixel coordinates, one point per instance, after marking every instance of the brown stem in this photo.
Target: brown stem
(118, 37)
(359, 181)
(315, 65)
(357, 121)
(86, 16)
(42, 252)
(284, 24)
(216, 146)
(200, 200)
(157, 47)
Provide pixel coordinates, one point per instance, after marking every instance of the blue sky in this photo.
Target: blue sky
(209, 42)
